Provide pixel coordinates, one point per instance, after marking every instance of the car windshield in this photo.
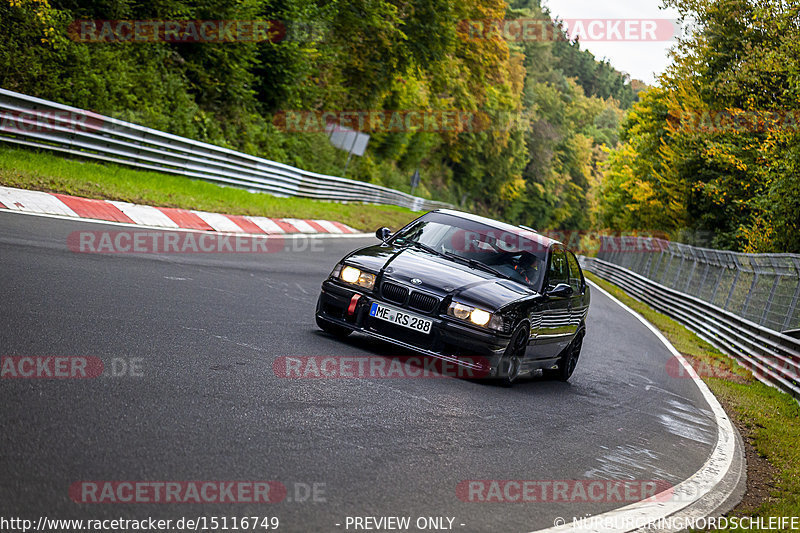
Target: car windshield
(515, 253)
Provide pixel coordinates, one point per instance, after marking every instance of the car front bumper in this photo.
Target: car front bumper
(448, 340)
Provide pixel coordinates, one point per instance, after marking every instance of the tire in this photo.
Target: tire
(334, 329)
(511, 362)
(567, 362)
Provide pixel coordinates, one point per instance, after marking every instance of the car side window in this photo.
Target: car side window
(575, 274)
(559, 270)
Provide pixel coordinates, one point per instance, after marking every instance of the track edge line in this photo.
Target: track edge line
(711, 491)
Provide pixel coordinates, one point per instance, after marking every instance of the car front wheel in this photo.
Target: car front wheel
(511, 363)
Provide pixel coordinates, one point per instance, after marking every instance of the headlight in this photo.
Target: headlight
(460, 310)
(480, 317)
(467, 312)
(350, 274)
(357, 277)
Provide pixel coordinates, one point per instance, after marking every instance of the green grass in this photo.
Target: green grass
(766, 417)
(43, 171)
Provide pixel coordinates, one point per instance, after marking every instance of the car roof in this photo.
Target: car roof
(527, 232)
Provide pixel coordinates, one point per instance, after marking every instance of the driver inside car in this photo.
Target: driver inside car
(530, 268)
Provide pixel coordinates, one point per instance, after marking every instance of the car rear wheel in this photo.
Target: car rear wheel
(333, 329)
(567, 362)
(511, 363)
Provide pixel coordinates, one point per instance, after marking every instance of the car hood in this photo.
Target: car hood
(439, 275)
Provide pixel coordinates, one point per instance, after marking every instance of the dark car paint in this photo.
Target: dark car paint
(439, 275)
(552, 321)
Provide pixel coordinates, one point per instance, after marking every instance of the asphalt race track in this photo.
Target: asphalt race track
(194, 338)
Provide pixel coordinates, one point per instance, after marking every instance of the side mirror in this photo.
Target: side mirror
(562, 290)
(383, 234)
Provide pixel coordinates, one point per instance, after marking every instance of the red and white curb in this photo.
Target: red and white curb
(62, 205)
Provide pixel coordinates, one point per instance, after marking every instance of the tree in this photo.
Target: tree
(726, 163)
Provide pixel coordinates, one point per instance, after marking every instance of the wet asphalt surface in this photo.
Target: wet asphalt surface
(193, 339)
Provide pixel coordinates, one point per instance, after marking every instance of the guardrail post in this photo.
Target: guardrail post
(750, 293)
(680, 269)
(658, 263)
(647, 263)
(733, 286)
(639, 260)
(666, 269)
(691, 275)
(626, 255)
(720, 272)
(705, 273)
(769, 301)
(793, 306)
(645, 252)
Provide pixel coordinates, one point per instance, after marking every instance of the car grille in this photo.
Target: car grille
(422, 302)
(394, 293)
(418, 301)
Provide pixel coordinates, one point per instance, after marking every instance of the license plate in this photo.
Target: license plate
(401, 318)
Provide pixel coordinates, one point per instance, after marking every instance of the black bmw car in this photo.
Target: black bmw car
(497, 298)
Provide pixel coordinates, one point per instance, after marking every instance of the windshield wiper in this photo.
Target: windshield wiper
(474, 263)
(425, 247)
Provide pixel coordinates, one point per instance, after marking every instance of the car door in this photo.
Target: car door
(579, 303)
(556, 329)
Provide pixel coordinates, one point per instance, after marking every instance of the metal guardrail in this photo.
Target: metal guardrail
(763, 288)
(772, 357)
(36, 123)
